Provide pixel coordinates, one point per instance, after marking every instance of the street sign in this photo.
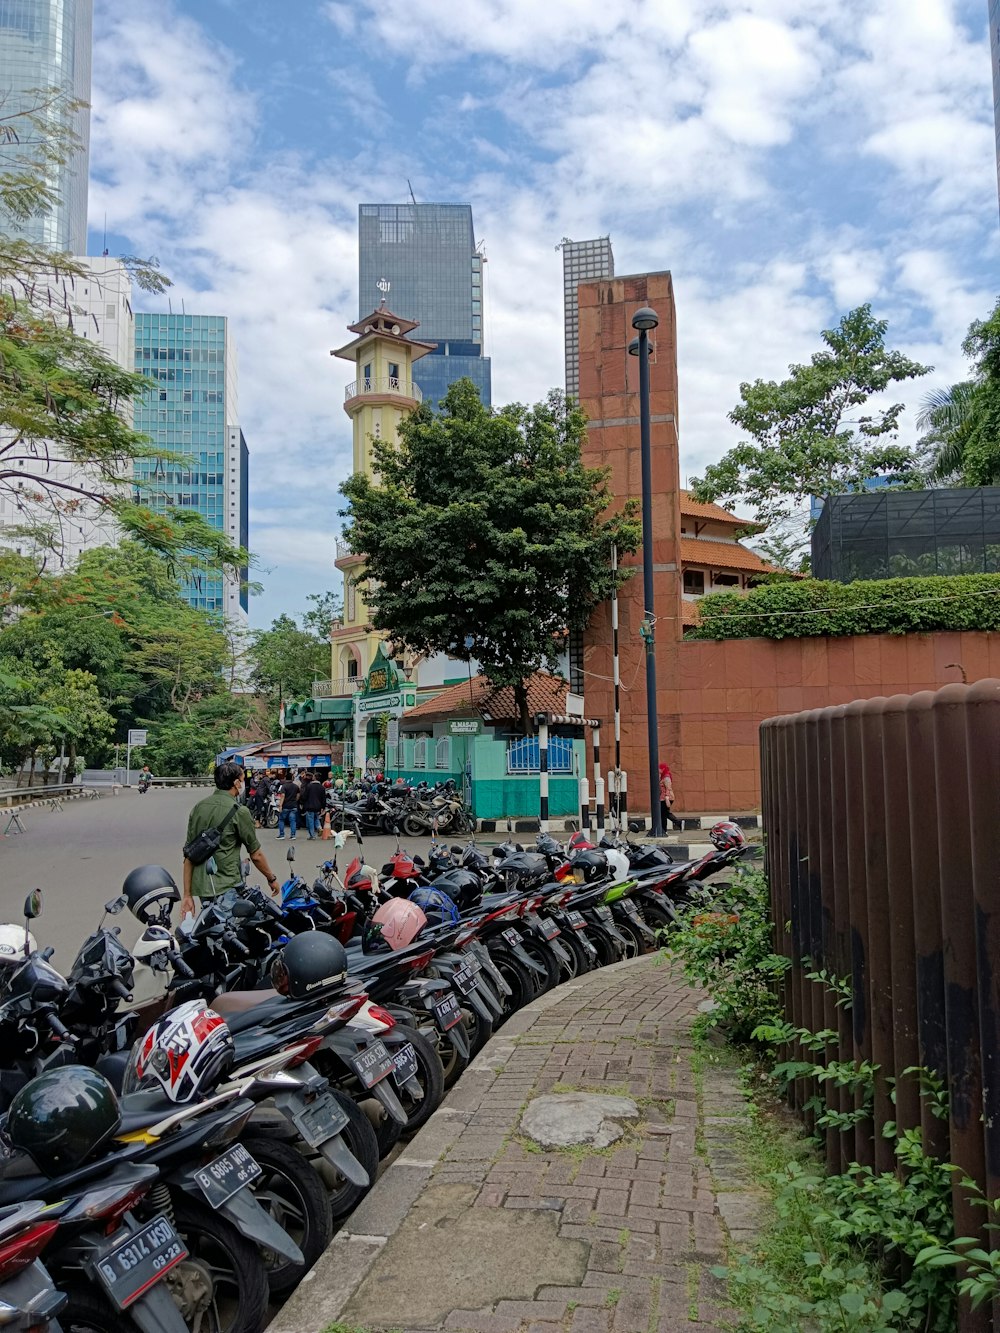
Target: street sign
(392, 733)
(137, 736)
(465, 726)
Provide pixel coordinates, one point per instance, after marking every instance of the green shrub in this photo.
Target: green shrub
(880, 606)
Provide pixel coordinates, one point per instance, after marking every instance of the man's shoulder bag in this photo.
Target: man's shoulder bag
(206, 844)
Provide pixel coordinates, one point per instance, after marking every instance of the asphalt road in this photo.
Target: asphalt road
(80, 855)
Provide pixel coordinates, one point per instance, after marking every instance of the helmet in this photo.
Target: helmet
(185, 1054)
(592, 862)
(460, 885)
(63, 1117)
(153, 940)
(307, 963)
(618, 864)
(151, 893)
(437, 907)
(726, 836)
(15, 945)
(400, 922)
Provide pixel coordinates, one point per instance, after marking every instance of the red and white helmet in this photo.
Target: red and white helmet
(401, 922)
(726, 836)
(185, 1054)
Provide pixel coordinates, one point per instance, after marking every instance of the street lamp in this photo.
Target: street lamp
(643, 321)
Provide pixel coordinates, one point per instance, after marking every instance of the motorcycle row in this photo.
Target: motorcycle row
(382, 807)
(186, 1121)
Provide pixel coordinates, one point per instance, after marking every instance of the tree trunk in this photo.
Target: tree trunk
(70, 774)
(31, 765)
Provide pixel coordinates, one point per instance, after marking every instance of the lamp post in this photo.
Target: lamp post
(643, 320)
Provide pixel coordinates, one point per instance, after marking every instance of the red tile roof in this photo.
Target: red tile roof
(723, 555)
(692, 508)
(546, 694)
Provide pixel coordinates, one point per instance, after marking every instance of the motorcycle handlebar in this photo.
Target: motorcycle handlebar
(59, 1028)
(121, 990)
(179, 965)
(233, 939)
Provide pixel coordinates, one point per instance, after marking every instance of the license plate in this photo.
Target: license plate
(405, 1064)
(630, 909)
(464, 979)
(549, 928)
(320, 1119)
(473, 964)
(227, 1175)
(132, 1267)
(372, 1064)
(512, 936)
(576, 920)
(447, 1013)
(604, 913)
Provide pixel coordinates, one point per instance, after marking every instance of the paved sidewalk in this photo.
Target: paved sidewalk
(475, 1227)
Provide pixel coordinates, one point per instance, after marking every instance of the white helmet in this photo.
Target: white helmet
(617, 864)
(185, 1054)
(12, 945)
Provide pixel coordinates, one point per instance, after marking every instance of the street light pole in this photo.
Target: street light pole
(644, 320)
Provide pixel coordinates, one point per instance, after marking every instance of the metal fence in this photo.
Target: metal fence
(883, 851)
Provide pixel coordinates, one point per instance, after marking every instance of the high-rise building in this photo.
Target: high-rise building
(194, 411)
(583, 261)
(98, 305)
(47, 44)
(423, 260)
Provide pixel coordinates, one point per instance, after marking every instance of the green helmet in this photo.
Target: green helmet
(63, 1117)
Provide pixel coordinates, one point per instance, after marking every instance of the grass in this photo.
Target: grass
(612, 1298)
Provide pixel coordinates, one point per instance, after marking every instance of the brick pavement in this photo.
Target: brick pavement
(648, 1216)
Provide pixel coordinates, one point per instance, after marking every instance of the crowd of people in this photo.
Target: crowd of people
(301, 798)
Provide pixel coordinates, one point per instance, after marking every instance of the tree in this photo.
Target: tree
(325, 609)
(484, 525)
(286, 658)
(810, 434)
(85, 724)
(962, 423)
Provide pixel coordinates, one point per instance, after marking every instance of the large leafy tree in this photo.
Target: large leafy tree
(287, 657)
(815, 433)
(484, 526)
(962, 423)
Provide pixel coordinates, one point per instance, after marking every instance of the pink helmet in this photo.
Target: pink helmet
(401, 922)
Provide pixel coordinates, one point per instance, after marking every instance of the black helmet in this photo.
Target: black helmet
(592, 862)
(63, 1117)
(307, 963)
(151, 892)
(461, 885)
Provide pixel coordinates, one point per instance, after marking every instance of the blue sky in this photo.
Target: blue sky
(786, 159)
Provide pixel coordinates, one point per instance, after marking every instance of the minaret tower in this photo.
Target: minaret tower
(382, 394)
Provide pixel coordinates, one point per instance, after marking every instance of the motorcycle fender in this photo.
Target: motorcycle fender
(341, 1158)
(252, 1221)
(455, 1035)
(642, 928)
(616, 934)
(384, 1093)
(484, 990)
(560, 952)
(481, 1008)
(155, 1312)
(526, 960)
(34, 1294)
(496, 976)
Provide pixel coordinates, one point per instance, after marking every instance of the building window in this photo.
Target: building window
(522, 755)
(367, 376)
(726, 580)
(694, 582)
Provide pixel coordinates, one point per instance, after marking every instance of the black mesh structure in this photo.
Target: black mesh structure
(908, 534)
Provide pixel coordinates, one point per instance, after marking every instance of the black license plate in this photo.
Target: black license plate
(372, 1064)
(576, 919)
(132, 1267)
(473, 964)
(604, 913)
(629, 908)
(464, 979)
(447, 1013)
(321, 1119)
(512, 936)
(404, 1061)
(227, 1175)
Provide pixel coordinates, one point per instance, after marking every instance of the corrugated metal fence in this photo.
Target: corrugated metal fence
(883, 851)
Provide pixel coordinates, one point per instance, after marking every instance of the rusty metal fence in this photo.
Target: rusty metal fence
(883, 853)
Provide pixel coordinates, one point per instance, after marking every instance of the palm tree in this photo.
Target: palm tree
(946, 419)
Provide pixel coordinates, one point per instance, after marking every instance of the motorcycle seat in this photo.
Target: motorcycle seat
(243, 1009)
(142, 1109)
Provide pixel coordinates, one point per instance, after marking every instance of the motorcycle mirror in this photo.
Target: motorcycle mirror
(243, 909)
(290, 854)
(633, 827)
(33, 905)
(116, 905)
(456, 851)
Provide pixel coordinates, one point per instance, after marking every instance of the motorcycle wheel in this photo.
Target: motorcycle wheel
(577, 958)
(538, 952)
(387, 1131)
(413, 827)
(636, 944)
(603, 943)
(87, 1312)
(292, 1191)
(360, 1139)
(517, 977)
(453, 1064)
(430, 1075)
(231, 1263)
(656, 918)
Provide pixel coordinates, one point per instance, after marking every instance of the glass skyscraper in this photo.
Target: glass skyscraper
(193, 410)
(583, 261)
(47, 44)
(427, 255)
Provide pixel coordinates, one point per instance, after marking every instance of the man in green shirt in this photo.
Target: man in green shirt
(239, 832)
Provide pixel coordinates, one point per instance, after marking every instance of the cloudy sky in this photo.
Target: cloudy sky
(786, 159)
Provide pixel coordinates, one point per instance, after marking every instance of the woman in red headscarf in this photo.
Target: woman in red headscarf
(667, 798)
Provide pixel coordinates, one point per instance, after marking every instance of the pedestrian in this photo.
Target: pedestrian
(222, 811)
(261, 798)
(667, 798)
(313, 804)
(288, 804)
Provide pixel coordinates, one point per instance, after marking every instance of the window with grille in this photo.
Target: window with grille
(522, 755)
